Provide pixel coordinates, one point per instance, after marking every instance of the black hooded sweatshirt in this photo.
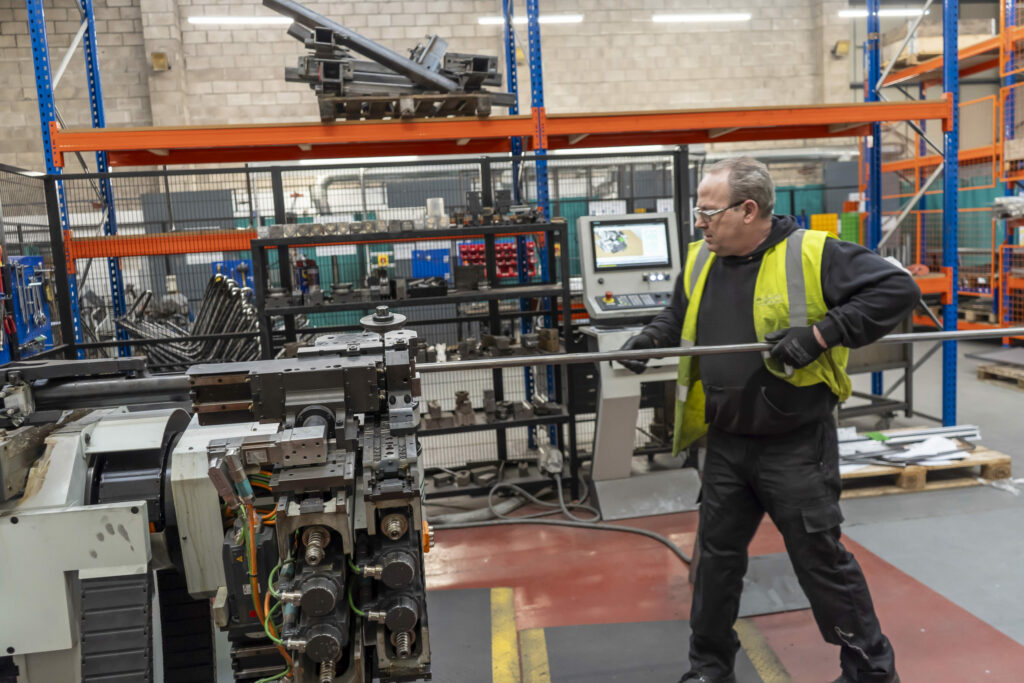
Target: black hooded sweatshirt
(867, 297)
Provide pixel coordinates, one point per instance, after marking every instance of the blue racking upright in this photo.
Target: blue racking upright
(49, 117)
(950, 173)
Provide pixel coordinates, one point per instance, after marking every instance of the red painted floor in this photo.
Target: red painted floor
(566, 576)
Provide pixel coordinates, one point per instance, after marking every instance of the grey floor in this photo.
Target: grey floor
(965, 544)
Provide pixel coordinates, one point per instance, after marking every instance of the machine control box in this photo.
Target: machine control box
(639, 300)
(629, 264)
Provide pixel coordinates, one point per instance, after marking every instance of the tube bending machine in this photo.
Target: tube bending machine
(285, 497)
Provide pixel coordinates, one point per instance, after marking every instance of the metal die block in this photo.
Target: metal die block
(303, 446)
(336, 472)
(334, 514)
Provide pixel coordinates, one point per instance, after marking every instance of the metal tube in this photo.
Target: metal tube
(116, 390)
(69, 54)
(363, 45)
(646, 354)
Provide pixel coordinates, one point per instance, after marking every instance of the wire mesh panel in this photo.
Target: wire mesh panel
(1011, 280)
(176, 231)
(1013, 132)
(594, 186)
(1011, 18)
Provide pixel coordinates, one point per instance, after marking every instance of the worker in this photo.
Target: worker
(771, 435)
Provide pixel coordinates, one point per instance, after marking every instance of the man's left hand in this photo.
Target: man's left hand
(796, 347)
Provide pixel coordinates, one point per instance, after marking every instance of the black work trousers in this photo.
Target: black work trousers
(795, 479)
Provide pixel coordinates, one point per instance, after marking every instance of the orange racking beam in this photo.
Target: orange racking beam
(966, 155)
(118, 246)
(220, 144)
(973, 59)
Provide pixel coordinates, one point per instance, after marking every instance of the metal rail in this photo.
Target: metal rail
(647, 354)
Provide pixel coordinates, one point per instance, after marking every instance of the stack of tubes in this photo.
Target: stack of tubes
(226, 308)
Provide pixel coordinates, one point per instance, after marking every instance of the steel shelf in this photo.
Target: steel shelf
(149, 146)
(494, 294)
(482, 426)
(464, 233)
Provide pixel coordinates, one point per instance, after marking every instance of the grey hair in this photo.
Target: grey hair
(748, 179)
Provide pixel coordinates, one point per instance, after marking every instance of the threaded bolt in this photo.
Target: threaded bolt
(403, 644)
(315, 538)
(327, 672)
(394, 526)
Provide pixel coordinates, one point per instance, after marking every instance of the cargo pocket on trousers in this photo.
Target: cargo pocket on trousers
(822, 517)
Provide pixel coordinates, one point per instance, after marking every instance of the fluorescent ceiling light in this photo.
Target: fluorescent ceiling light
(241, 21)
(859, 13)
(699, 18)
(543, 19)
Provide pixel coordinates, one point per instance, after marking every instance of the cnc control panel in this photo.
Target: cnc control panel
(629, 264)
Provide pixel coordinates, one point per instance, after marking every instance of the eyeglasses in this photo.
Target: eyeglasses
(708, 214)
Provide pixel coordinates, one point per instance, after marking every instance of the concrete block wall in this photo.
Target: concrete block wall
(122, 57)
(616, 60)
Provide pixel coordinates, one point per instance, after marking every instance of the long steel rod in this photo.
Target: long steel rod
(647, 354)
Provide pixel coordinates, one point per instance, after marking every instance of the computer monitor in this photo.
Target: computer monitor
(627, 243)
(628, 264)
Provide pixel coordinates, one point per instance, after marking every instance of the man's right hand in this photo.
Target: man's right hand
(640, 341)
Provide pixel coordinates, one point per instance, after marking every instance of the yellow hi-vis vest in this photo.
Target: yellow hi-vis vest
(787, 294)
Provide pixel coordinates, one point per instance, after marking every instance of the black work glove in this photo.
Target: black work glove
(640, 341)
(795, 346)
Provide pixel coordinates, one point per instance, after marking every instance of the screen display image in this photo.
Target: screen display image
(630, 245)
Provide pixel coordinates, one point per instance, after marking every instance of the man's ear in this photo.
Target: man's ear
(750, 209)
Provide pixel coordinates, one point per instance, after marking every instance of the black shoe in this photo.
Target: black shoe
(843, 679)
(698, 677)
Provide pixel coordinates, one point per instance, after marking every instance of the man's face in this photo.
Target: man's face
(728, 233)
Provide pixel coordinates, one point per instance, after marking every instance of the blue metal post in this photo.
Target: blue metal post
(541, 164)
(92, 74)
(1009, 107)
(950, 209)
(48, 115)
(873, 72)
(513, 87)
(537, 103)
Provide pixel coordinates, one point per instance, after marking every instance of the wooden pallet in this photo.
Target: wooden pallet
(973, 315)
(1007, 375)
(878, 480)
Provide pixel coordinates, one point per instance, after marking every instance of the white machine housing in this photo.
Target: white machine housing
(629, 264)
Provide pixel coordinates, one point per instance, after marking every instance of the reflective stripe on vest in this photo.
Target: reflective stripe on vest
(796, 288)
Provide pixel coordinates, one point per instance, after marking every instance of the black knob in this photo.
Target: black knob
(319, 596)
(399, 569)
(324, 643)
(402, 614)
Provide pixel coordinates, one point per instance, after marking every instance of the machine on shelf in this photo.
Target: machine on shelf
(629, 266)
(285, 496)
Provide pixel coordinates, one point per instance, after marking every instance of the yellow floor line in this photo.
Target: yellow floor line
(765, 661)
(534, 651)
(504, 637)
